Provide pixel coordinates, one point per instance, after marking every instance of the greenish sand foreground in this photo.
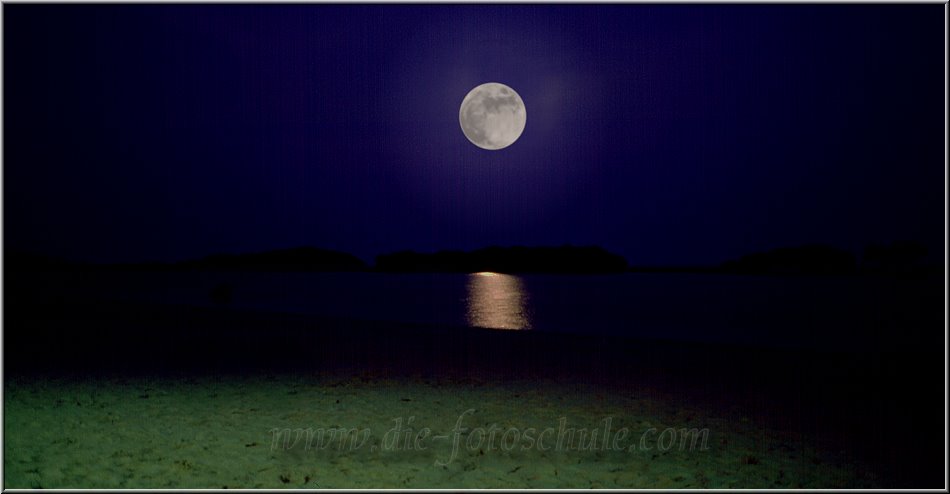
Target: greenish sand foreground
(240, 432)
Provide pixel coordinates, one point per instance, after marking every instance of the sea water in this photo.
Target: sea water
(828, 312)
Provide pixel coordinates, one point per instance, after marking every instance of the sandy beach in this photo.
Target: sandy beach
(220, 432)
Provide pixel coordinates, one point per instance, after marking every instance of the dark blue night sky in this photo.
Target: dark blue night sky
(669, 134)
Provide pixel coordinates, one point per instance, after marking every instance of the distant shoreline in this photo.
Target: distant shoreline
(900, 259)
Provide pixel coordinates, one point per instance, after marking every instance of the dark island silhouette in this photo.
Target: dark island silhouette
(565, 259)
(16, 261)
(898, 258)
(804, 260)
(901, 259)
(300, 259)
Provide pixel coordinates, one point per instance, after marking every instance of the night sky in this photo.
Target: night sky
(668, 134)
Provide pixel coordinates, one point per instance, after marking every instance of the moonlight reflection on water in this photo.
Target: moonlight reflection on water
(497, 301)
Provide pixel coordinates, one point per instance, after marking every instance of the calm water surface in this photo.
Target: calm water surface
(498, 301)
(831, 312)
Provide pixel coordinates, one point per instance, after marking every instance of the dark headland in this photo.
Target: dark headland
(897, 259)
(565, 259)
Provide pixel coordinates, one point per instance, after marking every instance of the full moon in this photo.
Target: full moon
(492, 116)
